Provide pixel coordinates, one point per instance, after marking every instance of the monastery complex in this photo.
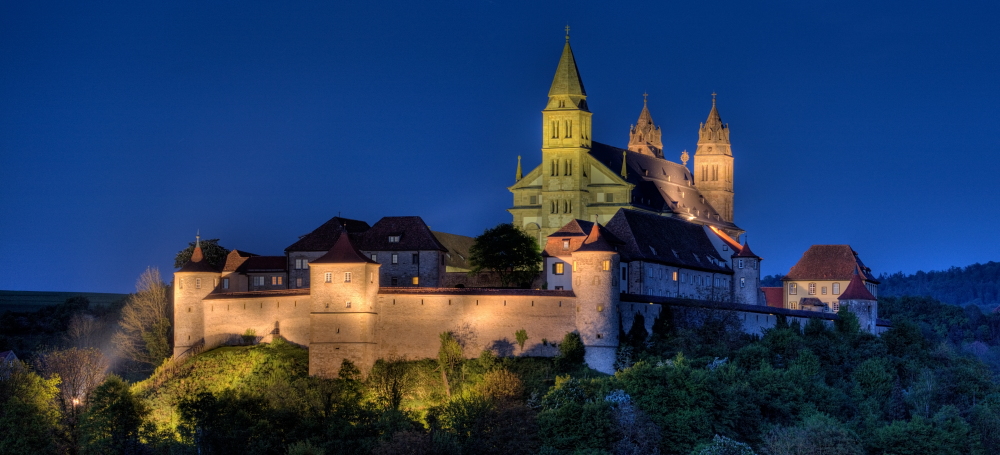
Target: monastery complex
(624, 232)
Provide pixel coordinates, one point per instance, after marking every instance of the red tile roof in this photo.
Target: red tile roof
(343, 251)
(745, 252)
(595, 241)
(197, 263)
(577, 232)
(829, 262)
(856, 290)
(775, 297)
(235, 259)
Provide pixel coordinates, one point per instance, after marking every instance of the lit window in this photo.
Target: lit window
(557, 268)
(812, 288)
(328, 277)
(675, 275)
(574, 266)
(836, 288)
(395, 258)
(393, 239)
(565, 244)
(416, 280)
(274, 280)
(225, 283)
(793, 288)
(606, 265)
(197, 283)
(347, 277)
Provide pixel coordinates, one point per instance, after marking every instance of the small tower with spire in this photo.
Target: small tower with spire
(859, 300)
(746, 277)
(598, 290)
(644, 136)
(192, 283)
(713, 164)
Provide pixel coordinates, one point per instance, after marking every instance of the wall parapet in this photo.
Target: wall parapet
(760, 309)
(486, 292)
(253, 294)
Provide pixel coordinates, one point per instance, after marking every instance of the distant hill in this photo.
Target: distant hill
(977, 284)
(34, 300)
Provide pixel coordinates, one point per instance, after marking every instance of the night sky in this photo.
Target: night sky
(126, 127)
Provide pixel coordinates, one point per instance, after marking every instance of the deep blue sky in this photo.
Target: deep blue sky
(125, 127)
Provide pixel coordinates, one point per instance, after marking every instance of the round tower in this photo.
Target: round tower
(746, 277)
(859, 300)
(713, 164)
(192, 283)
(597, 289)
(343, 290)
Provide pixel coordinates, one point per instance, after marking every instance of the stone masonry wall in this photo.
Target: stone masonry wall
(226, 319)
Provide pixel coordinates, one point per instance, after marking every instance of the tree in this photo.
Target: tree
(114, 420)
(215, 254)
(818, 434)
(509, 252)
(571, 352)
(722, 445)
(28, 410)
(390, 379)
(79, 371)
(449, 357)
(145, 322)
(521, 336)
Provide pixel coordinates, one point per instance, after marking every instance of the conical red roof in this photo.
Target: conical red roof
(745, 252)
(856, 290)
(595, 241)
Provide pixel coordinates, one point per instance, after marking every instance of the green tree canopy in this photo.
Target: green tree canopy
(214, 253)
(509, 252)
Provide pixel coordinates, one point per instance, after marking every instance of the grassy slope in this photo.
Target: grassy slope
(241, 369)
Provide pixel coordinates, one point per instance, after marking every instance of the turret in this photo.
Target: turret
(859, 300)
(192, 283)
(344, 288)
(597, 289)
(746, 277)
(644, 137)
(713, 164)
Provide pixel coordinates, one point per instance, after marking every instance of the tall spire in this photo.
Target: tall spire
(567, 80)
(624, 173)
(518, 176)
(713, 130)
(644, 137)
(197, 255)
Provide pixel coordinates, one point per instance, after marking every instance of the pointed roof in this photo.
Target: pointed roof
(665, 240)
(567, 79)
(713, 130)
(829, 262)
(197, 263)
(856, 290)
(342, 252)
(595, 241)
(745, 252)
(323, 237)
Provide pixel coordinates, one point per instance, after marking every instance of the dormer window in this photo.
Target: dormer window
(652, 249)
(394, 239)
(565, 244)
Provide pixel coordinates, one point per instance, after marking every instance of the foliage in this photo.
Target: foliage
(389, 380)
(28, 411)
(977, 284)
(722, 445)
(818, 434)
(509, 252)
(521, 336)
(214, 253)
(449, 357)
(73, 323)
(79, 372)
(115, 420)
(145, 322)
(571, 352)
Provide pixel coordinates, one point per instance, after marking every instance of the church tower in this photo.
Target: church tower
(713, 164)
(566, 125)
(644, 137)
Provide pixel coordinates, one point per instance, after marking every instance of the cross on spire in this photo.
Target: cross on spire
(713, 98)
(567, 32)
(644, 96)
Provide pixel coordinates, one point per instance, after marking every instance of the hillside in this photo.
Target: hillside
(977, 284)
(19, 301)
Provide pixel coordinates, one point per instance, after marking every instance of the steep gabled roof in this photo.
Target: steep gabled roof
(323, 237)
(856, 290)
(342, 252)
(665, 240)
(413, 235)
(659, 185)
(829, 262)
(235, 259)
(265, 264)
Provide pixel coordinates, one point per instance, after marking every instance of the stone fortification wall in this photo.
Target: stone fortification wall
(228, 316)
(409, 323)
